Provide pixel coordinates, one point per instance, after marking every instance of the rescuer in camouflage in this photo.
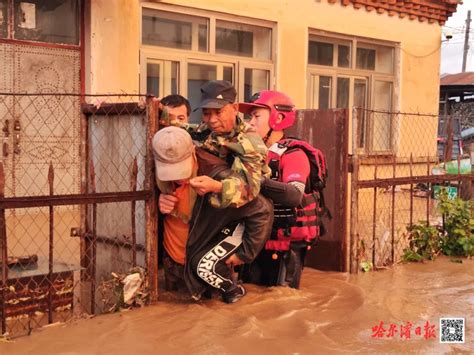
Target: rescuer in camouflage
(234, 141)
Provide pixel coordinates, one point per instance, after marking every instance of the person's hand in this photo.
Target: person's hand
(234, 260)
(204, 184)
(167, 203)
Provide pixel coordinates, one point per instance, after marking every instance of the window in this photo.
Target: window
(165, 29)
(344, 56)
(365, 59)
(198, 75)
(367, 80)
(321, 53)
(45, 20)
(162, 76)
(382, 121)
(255, 80)
(243, 40)
(181, 51)
(375, 58)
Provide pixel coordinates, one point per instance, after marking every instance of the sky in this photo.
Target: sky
(452, 50)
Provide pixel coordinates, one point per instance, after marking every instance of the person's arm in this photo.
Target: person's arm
(258, 226)
(249, 166)
(295, 170)
(282, 193)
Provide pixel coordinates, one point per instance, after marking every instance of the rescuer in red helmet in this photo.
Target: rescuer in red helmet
(301, 166)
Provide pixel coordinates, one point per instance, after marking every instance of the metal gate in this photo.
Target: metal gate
(328, 130)
(67, 237)
(394, 188)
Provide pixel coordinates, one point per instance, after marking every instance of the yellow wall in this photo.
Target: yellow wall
(115, 32)
(112, 65)
(115, 44)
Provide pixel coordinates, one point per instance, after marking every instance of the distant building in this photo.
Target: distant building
(456, 101)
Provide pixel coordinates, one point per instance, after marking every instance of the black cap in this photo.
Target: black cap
(216, 94)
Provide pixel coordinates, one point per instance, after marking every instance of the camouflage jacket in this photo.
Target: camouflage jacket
(245, 153)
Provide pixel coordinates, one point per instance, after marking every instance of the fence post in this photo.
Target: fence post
(51, 244)
(94, 237)
(411, 190)
(354, 233)
(374, 216)
(133, 187)
(394, 175)
(428, 198)
(4, 252)
(151, 212)
(448, 148)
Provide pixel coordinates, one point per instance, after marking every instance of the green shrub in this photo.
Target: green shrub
(454, 238)
(424, 242)
(458, 226)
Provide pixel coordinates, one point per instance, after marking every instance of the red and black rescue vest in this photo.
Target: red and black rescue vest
(302, 224)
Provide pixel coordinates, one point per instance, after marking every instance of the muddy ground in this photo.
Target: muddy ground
(331, 313)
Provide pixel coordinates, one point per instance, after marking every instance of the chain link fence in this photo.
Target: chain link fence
(397, 171)
(77, 206)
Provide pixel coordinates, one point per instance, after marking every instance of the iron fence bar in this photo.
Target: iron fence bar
(51, 245)
(374, 216)
(73, 199)
(151, 212)
(448, 147)
(428, 199)
(122, 94)
(393, 210)
(84, 155)
(4, 252)
(133, 186)
(407, 180)
(105, 109)
(398, 112)
(459, 165)
(94, 239)
(411, 190)
(114, 242)
(354, 234)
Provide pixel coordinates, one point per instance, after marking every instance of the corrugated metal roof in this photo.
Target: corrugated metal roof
(466, 78)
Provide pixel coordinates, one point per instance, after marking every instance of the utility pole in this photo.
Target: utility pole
(466, 41)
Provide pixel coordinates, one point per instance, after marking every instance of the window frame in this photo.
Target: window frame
(10, 30)
(184, 56)
(352, 72)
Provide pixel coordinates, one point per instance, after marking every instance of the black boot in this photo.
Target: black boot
(234, 294)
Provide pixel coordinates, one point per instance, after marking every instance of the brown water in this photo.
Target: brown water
(331, 313)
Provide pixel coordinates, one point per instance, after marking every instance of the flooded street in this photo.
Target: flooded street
(331, 313)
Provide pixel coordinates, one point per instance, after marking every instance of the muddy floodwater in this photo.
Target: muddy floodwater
(331, 313)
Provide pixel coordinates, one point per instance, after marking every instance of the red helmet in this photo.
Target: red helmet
(277, 102)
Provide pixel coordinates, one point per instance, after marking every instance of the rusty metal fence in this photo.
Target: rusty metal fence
(77, 205)
(396, 170)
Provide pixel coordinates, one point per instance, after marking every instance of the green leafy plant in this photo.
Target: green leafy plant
(454, 238)
(458, 226)
(424, 243)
